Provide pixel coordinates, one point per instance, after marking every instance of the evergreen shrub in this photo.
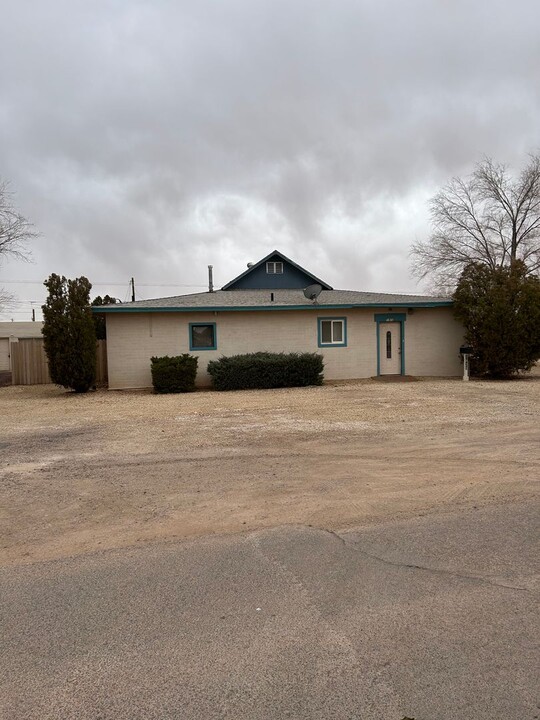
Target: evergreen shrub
(500, 309)
(69, 335)
(266, 370)
(174, 374)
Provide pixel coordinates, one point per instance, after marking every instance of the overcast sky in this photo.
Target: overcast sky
(154, 138)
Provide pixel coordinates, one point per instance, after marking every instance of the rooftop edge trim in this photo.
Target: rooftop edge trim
(98, 310)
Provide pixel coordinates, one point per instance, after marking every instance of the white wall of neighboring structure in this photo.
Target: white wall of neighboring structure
(21, 329)
(11, 332)
(432, 340)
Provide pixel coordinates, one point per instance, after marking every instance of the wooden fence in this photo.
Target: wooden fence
(29, 364)
(102, 375)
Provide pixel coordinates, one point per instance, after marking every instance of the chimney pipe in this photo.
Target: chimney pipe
(210, 278)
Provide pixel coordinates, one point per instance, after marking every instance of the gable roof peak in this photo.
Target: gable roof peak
(254, 268)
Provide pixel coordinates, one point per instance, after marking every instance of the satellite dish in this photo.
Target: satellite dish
(312, 292)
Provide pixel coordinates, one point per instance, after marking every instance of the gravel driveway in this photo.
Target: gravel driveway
(113, 469)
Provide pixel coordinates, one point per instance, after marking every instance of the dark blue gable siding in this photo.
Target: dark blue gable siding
(259, 279)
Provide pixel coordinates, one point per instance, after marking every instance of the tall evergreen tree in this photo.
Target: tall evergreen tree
(500, 309)
(69, 334)
(99, 320)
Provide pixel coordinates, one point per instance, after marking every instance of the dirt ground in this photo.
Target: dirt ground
(111, 469)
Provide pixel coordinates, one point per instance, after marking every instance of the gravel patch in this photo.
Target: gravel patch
(109, 469)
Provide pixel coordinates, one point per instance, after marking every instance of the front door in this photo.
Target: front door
(390, 348)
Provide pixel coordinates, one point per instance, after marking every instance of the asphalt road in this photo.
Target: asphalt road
(432, 618)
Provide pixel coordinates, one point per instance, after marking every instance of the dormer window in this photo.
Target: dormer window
(274, 268)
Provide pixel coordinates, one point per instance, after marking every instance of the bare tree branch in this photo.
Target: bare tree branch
(16, 232)
(7, 300)
(489, 217)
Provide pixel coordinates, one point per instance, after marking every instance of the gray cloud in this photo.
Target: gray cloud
(151, 139)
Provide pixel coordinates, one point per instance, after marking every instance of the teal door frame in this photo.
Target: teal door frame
(380, 319)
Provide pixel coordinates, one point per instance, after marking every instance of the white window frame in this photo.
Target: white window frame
(274, 268)
(334, 321)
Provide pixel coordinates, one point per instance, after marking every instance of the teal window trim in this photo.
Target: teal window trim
(202, 324)
(381, 318)
(322, 344)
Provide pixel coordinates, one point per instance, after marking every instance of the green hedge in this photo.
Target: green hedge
(266, 370)
(174, 374)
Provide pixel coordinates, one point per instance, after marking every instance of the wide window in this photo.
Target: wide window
(202, 336)
(332, 332)
(274, 268)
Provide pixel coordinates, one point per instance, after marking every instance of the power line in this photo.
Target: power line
(31, 302)
(116, 284)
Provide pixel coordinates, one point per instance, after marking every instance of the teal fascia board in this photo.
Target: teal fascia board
(264, 308)
(389, 317)
(381, 318)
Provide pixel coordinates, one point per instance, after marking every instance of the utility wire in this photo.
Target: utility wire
(26, 302)
(116, 284)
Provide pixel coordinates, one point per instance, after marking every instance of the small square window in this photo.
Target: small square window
(274, 268)
(332, 331)
(202, 336)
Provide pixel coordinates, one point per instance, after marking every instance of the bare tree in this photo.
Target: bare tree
(490, 218)
(6, 300)
(15, 234)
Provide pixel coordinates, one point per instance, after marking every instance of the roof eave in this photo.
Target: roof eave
(109, 309)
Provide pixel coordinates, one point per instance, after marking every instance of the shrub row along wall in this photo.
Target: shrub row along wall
(266, 370)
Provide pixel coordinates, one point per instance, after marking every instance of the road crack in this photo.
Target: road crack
(425, 568)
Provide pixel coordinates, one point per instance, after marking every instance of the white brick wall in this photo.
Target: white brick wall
(432, 339)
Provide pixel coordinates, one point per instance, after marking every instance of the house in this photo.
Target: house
(11, 332)
(360, 334)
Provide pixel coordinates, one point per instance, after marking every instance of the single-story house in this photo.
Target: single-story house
(278, 306)
(12, 332)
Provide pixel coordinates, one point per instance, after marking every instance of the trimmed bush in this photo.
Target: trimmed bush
(174, 374)
(266, 370)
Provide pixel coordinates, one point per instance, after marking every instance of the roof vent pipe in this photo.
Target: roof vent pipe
(210, 278)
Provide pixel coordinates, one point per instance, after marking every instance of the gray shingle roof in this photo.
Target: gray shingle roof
(283, 300)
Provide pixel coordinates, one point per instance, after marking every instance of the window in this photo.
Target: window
(332, 331)
(202, 336)
(274, 268)
(388, 345)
